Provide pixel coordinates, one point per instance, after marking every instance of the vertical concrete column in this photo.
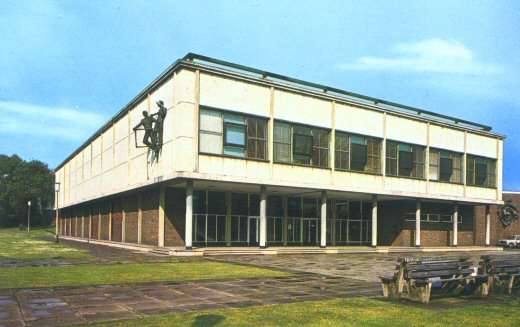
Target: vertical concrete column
(323, 236)
(162, 200)
(374, 220)
(110, 220)
(189, 215)
(90, 223)
(139, 218)
(285, 229)
(229, 199)
(418, 222)
(455, 224)
(263, 218)
(333, 225)
(82, 225)
(488, 226)
(123, 222)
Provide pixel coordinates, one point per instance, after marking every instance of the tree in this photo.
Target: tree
(22, 181)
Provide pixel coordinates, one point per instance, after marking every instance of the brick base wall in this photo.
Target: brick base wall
(175, 217)
(117, 220)
(131, 218)
(105, 220)
(150, 217)
(497, 230)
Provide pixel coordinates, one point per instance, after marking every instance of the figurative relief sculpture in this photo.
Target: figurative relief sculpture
(153, 128)
(508, 213)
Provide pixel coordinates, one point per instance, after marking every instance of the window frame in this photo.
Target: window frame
(368, 142)
(471, 171)
(414, 149)
(223, 134)
(453, 155)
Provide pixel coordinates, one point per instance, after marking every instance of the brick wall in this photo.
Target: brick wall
(86, 218)
(131, 218)
(117, 220)
(497, 230)
(394, 230)
(150, 217)
(95, 222)
(175, 217)
(105, 219)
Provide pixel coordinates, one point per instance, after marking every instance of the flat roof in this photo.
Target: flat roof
(192, 57)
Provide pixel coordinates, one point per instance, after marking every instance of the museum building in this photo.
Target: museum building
(213, 153)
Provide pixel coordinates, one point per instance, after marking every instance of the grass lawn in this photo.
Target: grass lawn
(343, 312)
(14, 244)
(29, 277)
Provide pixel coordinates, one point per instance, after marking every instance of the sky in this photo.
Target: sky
(66, 67)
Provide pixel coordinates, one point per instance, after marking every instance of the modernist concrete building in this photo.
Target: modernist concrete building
(251, 158)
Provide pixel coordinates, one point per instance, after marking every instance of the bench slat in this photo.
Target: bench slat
(438, 273)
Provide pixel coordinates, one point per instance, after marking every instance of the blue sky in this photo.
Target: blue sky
(67, 66)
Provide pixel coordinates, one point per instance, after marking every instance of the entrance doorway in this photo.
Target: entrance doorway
(309, 231)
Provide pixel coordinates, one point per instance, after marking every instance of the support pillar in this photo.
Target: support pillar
(418, 222)
(229, 199)
(455, 224)
(333, 225)
(189, 215)
(488, 226)
(323, 234)
(162, 203)
(263, 218)
(285, 229)
(374, 220)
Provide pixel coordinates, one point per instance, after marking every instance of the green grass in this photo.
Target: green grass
(29, 277)
(343, 312)
(15, 245)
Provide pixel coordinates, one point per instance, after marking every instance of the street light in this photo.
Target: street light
(57, 189)
(29, 218)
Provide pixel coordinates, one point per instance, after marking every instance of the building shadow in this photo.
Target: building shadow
(207, 320)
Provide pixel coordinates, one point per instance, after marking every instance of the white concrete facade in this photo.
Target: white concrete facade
(110, 163)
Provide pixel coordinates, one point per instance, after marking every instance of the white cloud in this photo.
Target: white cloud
(432, 55)
(44, 121)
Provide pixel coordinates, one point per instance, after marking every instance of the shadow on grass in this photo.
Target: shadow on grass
(207, 320)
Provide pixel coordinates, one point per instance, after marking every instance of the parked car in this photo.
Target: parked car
(511, 242)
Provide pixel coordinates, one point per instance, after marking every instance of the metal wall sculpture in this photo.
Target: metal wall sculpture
(507, 213)
(152, 125)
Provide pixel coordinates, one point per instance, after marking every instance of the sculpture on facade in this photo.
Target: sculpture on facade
(153, 128)
(507, 213)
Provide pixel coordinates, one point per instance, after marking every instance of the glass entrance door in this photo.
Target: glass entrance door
(310, 232)
(253, 228)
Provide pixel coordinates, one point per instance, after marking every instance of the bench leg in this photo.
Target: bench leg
(390, 290)
(421, 294)
(510, 284)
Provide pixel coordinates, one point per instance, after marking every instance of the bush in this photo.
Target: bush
(22, 227)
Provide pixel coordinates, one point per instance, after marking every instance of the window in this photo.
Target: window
(445, 166)
(357, 153)
(404, 160)
(232, 134)
(301, 144)
(432, 217)
(480, 171)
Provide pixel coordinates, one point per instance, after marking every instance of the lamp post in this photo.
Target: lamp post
(57, 189)
(29, 218)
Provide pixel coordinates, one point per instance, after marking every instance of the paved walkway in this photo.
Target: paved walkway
(58, 306)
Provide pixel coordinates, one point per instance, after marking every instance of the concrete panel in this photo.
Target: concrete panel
(405, 130)
(234, 167)
(121, 127)
(292, 173)
(108, 139)
(185, 87)
(96, 165)
(231, 94)
(446, 189)
(96, 147)
(358, 181)
(302, 109)
(481, 192)
(121, 152)
(107, 162)
(405, 185)
(446, 138)
(482, 145)
(360, 121)
(184, 122)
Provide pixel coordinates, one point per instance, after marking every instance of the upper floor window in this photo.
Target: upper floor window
(445, 166)
(358, 153)
(232, 134)
(404, 160)
(301, 144)
(480, 171)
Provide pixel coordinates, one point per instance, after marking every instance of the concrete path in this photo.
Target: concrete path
(58, 306)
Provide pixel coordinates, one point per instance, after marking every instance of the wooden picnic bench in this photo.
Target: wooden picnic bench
(416, 278)
(503, 271)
